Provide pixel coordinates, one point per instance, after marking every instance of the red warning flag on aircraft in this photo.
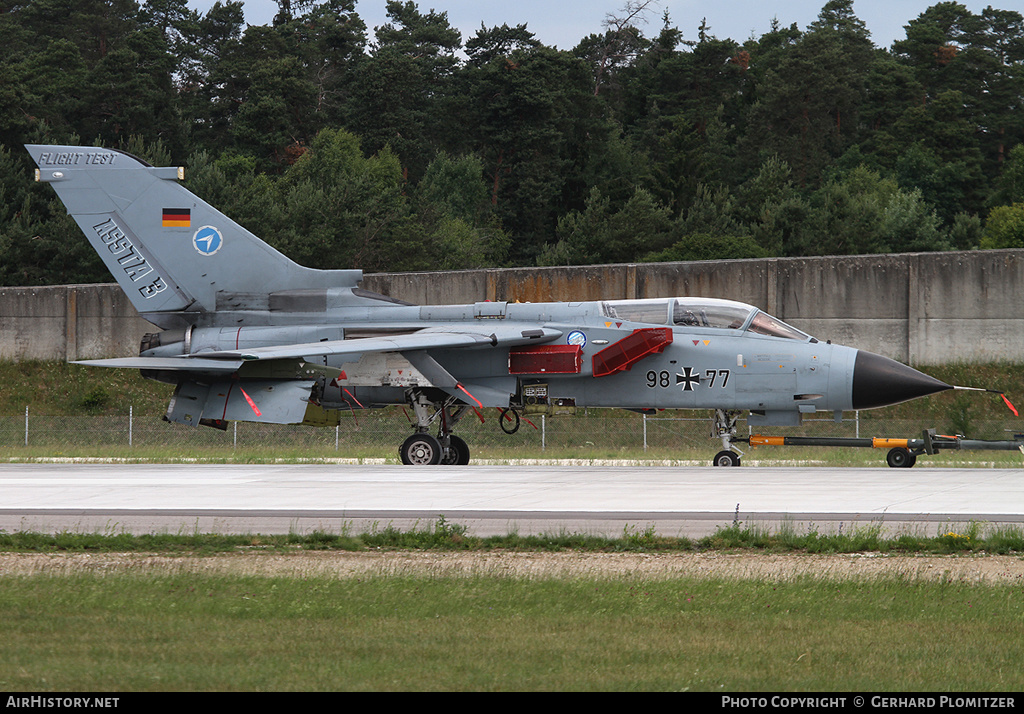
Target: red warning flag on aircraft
(1012, 408)
(177, 218)
(252, 404)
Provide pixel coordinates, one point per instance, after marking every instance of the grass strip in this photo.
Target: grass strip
(195, 632)
(442, 534)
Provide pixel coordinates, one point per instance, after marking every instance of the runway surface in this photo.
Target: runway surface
(496, 500)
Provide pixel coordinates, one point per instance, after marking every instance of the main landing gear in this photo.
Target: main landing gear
(425, 449)
(725, 429)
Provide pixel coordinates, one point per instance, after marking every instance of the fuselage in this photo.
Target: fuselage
(703, 353)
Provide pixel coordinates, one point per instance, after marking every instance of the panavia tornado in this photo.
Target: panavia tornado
(249, 335)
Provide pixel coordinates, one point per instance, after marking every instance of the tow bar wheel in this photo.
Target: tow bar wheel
(900, 458)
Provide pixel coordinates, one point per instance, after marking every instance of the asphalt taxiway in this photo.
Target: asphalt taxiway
(496, 500)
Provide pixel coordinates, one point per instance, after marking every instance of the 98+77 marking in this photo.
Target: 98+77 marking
(690, 378)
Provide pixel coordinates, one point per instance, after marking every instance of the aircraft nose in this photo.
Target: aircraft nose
(879, 381)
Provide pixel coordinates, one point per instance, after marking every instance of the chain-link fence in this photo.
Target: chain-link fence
(600, 431)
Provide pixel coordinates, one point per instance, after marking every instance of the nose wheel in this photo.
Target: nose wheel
(726, 458)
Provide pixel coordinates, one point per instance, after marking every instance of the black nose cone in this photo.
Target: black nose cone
(879, 381)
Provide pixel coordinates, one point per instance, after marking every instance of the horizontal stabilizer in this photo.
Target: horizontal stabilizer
(264, 400)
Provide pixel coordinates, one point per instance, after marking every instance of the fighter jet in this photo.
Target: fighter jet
(249, 335)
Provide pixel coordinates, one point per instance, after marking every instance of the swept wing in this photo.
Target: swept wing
(429, 339)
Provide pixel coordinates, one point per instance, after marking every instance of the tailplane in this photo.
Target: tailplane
(169, 250)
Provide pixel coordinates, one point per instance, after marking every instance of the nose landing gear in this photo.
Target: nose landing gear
(725, 429)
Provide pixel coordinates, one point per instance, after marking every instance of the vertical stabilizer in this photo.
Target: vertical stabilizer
(169, 250)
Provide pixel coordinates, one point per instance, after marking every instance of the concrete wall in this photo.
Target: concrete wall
(67, 322)
(920, 308)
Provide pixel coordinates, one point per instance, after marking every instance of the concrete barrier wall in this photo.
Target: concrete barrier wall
(920, 308)
(68, 322)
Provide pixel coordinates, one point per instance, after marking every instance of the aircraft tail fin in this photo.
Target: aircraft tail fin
(169, 250)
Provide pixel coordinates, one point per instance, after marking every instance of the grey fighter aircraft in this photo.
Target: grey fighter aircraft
(249, 335)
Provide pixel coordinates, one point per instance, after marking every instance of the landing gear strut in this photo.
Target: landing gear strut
(424, 449)
(725, 429)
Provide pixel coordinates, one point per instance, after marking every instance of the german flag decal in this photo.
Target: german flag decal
(177, 218)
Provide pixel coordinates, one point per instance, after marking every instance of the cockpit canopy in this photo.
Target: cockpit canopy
(701, 312)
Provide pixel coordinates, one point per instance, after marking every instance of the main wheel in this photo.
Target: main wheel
(457, 453)
(900, 458)
(420, 450)
(726, 458)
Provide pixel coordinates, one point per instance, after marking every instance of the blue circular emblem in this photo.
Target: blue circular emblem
(208, 240)
(576, 338)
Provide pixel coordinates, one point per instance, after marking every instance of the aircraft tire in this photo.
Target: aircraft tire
(726, 458)
(458, 452)
(420, 450)
(900, 458)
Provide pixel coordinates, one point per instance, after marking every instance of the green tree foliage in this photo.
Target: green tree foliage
(862, 212)
(92, 68)
(398, 94)
(337, 208)
(1010, 185)
(403, 147)
(808, 112)
(532, 118)
(708, 246)
(267, 91)
(601, 234)
(452, 206)
(1004, 227)
(940, 154)
(981, 59)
